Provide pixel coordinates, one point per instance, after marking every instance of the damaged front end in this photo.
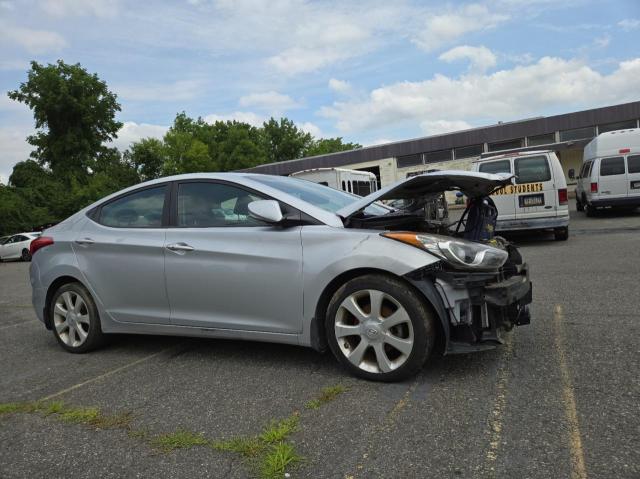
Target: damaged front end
(480, 286)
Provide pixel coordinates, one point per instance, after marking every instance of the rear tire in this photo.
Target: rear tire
(579, 206)
(25, 256)
(379, 328)
(589, 210)
(75, 320)
(561, 234)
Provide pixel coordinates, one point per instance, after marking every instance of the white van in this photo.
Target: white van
(610, 173)
(357, 182)
(537, 199)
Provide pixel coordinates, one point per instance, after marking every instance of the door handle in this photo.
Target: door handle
(85, 241)
(179, 247)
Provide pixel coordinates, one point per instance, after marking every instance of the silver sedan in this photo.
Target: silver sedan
(256, 257)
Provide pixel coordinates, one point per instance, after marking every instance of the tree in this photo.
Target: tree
(147, 157)
(324, 146)
(74, 113)
(284, 140)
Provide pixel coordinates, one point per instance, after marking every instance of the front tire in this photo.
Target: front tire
(579, 205)
(75, 320)
(25, 256)
(379, 328)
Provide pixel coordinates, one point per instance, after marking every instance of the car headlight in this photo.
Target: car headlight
(461, 254)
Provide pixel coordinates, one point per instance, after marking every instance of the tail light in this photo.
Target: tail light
(594, 187)
(40, 242)
(563, 198)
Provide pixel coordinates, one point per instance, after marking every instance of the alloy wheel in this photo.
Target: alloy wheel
(71, 319)
(374, 331)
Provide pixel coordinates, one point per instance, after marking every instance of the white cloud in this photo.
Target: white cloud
(64, 8)
(444, 28)
(312, 128)
(14, 149)
(132, 131)
(602, 42)
(340, 86)
(629, 24)
(177, 91)
(480, 58)
(522, 91)
(439, 127)
(270, 101)
(34, 41)
(249, 117)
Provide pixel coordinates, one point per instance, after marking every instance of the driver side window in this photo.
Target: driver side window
(206, 205)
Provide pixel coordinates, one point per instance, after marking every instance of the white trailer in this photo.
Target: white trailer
(357, 182)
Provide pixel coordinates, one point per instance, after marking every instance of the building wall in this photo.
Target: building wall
(388, 170)
(571, 159)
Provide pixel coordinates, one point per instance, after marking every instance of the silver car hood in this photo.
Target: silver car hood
(471, 183)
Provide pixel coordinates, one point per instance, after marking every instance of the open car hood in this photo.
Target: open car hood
(471, 183)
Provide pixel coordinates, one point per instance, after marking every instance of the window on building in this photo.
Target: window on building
(578, 133)
(506, 145)
(468, 151)
(633, 164)
(612, 166)
(409, 160)
(437, 156)
(545, 139)
(620, 125)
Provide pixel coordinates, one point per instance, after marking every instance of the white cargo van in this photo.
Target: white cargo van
(357, 182)
(610, 173)
(537, 198)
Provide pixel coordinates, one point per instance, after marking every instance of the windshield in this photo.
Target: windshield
(321, 196)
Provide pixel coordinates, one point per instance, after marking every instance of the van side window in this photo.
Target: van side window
(533, 169)
(612, 166)
(585, 169)
(590, 168)
(502, 166)
(633, 164)
(344, 186)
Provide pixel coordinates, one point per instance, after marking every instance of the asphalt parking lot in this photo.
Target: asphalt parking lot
(561, 397)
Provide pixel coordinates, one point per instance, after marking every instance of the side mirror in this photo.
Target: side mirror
(266, 210)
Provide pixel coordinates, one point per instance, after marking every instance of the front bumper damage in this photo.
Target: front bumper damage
(474, 308)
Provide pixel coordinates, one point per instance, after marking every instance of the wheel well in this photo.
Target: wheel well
(318, 332)
(53, 287)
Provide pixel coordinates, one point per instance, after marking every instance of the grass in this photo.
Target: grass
(269, 453)
(280, 430)
(179, 440)
(275, 462)
(327, 395)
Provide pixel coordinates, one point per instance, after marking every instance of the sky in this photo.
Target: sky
(369, 71)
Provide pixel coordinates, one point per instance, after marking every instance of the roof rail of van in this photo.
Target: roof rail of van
(494, 155)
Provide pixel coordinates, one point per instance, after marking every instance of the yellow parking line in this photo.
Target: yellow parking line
(495, 422)
(578, 470)
(108, 373)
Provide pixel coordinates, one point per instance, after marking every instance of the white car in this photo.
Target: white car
(537, 199)
(17, 247)
(610, 173)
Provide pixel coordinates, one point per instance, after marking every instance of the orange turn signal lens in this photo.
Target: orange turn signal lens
(405, 237)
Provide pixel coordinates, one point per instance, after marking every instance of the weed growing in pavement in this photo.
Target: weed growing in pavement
(327, 395)
(269, 453)
(180, 439)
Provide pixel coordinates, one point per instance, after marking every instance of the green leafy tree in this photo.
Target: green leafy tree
(324, 146)
(74, 113)
(284, 140)
(147, 158)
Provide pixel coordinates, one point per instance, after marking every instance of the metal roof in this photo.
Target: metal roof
(475, 136)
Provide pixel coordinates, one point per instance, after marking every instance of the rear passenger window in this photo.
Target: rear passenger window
(502, 166)
(612, 166)
(633, 164)
(533, 169)
(136, 210)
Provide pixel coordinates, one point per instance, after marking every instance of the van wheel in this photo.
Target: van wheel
(579, 206)
(561, 234)
(589, 210)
